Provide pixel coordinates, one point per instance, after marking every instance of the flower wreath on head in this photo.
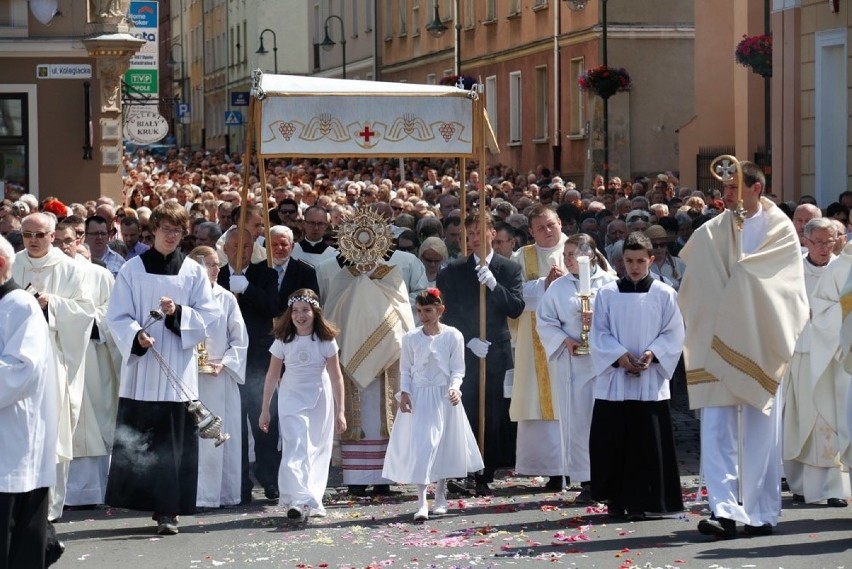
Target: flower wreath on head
(306, 299)
(434, 293)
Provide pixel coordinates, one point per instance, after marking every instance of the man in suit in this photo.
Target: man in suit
(293, 274)
(459, 282)
(256, 287)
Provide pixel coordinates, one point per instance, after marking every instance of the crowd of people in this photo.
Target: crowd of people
(596, 300)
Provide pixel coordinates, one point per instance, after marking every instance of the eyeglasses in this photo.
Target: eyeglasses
(211, 266)
(100, 234)
(36, 235)
(79, 233)
(818, 244)
(171, 231)
(659, 244)
(67, 241)
(287, 211)
(396, 208)
(428, 261)
(644, 218)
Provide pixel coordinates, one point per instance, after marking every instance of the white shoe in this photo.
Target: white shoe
(439, 508)
(317, 512)
(422, 514)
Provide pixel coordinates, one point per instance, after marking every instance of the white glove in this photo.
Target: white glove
(486, 277)
(478, 347)
(238, 284)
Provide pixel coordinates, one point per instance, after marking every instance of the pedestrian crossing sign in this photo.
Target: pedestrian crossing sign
(233, 118)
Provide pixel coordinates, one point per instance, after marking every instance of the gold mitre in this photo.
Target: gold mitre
(364, 238)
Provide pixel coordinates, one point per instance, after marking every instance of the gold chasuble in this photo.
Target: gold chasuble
(533, 393)
(742, 316)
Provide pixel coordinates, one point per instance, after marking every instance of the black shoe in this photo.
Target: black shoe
(765, 529)
(720, 528)
(358, 490)
(457, 487)
(616, 511)
(554, 483)
(482, 489)
(271, 492)
(785, 487)
(585, 496)
(836, 503)
(383, 490)
(798, 498)
(636, 516)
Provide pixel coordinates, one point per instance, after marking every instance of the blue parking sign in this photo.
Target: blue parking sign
(183, 110)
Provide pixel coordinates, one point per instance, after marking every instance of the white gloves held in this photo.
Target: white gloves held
(238, 283)
(486, 277)
(478, 347)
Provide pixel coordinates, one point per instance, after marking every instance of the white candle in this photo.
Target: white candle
(585, 276)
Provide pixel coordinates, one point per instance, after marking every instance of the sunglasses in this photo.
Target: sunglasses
(644, 218)
(37, 234)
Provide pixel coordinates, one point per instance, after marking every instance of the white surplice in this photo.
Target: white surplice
(136, 293)
(535, 399)
(28, 406)
(434, 441)
(220, 468)
(87, 473)
(635, 322)
(558, 318)
(305, 420)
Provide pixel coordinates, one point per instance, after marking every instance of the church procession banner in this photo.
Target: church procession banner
(307, 116)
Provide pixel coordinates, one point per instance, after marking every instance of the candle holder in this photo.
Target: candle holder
(585, 306)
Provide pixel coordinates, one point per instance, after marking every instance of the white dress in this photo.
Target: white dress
(305, 420)
(220, 468)
(434, 441)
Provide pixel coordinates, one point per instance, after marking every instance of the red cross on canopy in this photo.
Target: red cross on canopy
(367, 134)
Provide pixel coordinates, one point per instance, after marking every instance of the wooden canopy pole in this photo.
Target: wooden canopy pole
(479, 138)
(241, 223)
(463, 204)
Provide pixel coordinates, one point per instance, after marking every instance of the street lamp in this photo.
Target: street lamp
(437, 28)
(328, 44)
(576, 5)
(172, 62)
(262, 50)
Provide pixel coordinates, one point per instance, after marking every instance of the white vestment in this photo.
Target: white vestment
(326, 271)
(70, 313)
(136, 293)
(313, 259)
(413, 274)
(87, 473)
(28, 412)
(434, 441)
(220, 468)
(558, 318)
(535, 395)
(815, 432)
(622, 324)
(305, 420)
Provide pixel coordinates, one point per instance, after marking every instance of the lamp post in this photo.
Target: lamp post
(328, 43)
(172, 62)
(263, 51)
(577, 5)
(437, 28)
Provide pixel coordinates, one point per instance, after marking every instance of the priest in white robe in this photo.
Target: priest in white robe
(28, 415)
(220, 468)
(155, 452)
(744, 314)
(559, 322)
(636, 340)
(62, 290)
(534, 404)
(92, 441)
(815, 436)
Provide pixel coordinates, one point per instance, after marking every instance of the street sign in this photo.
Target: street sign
(142, 81)
(239, 98)
(63, 71)
(233, 118)
(145, 127)
(183, 110)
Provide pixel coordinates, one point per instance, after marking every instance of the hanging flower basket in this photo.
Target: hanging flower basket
(453, 80)
(755, 52)
(605, 81)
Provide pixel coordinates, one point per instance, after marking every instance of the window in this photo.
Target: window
(415, 17)
(469, 21)
(368, 16)
(354, 20)
(403, 9)
(388, 20)
(576, 119)
(490, 10)
(431, 79)
(515, 107)
(514, 7)
(539, 4)
(491, 101)
(14, 141)
(541, 103)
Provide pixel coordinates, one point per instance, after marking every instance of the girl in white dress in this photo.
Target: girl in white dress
(310, 402)
(431, 438)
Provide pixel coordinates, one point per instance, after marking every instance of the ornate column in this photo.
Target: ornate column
(111, 46)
